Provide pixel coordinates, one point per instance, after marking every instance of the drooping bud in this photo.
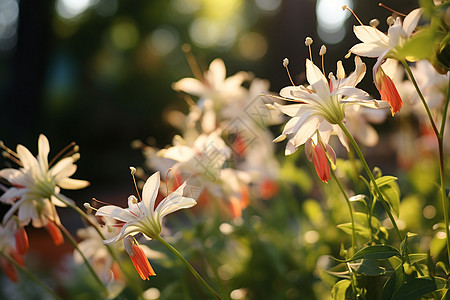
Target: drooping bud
(138, 258)
(55, 233)
(21, 237)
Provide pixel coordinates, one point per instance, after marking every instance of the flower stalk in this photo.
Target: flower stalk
(341, 188)
(70, 238)
(188, 265)
(30, 275)
(372, 178)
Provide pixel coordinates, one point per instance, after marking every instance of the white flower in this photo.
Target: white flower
(377, 44)
(36, 186)
(215, 85)
(143, 216)
(322, 105)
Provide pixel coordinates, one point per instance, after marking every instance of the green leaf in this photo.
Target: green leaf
(359, 229)
(385, 180)
(375, 252)
(418, 287)
(368, 267)
(420, 46)
(391, 192)
(339, 289)
(394, 282)
(417, 257)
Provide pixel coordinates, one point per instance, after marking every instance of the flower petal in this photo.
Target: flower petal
(150, 191)
(191, 86)
(369, 34)
(116, 212)
(28, 160)
(317, 80)
(72, 184)
(411, 20)
(12, 194)
(43, 150)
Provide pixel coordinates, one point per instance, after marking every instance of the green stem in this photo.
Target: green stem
(416, 86)
(349, 208)
(69, 237)
(372, 178)
(444, 195)
(110, 250)
(30, 275)
(444, 113)
(188, 265)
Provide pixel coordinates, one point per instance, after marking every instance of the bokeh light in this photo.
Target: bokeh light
(331, 19)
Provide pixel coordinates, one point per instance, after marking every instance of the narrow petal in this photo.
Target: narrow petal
(217, 73)
(306, 131)
(116, 212)
(63, 168)
(175, 201)
(16, 177)
(317, 80)
(191, 86)
(28, 160)
(72, 184)
(150, 191)
(369, 34)
(411, 20)
(43, 150)
(369, 49)
(12, 194)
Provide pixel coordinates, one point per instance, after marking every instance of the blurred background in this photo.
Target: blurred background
(99, 72)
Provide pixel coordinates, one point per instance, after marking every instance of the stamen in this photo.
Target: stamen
(308, 43)
(353, 13)
(285, 65)
(388, 8)
(12, 158)
(133, 171)
(89, 207)
(61, 152)
(3, 146)
(186, 48)
(93, 199)
(323, 50)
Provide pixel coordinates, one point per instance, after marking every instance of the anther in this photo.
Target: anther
(285, 65)
(133, 170)
(390, 20)
(374, 22)
(76, 157)
(323, 50)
